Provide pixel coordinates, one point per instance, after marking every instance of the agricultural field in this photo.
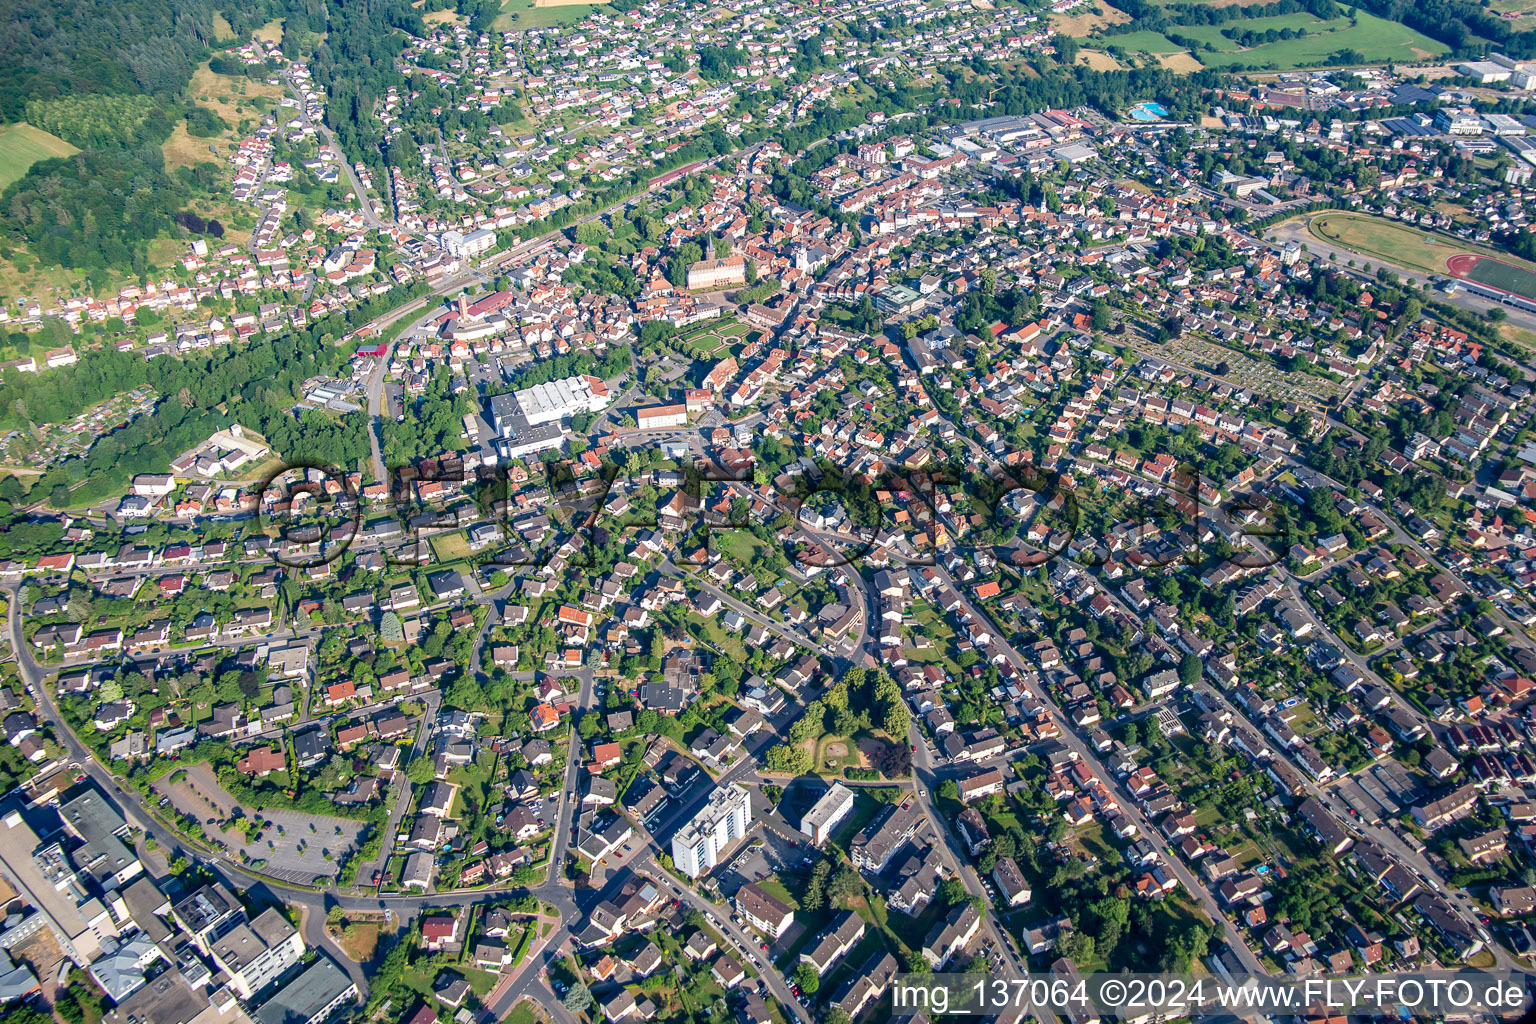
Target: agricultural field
(22, 145)
(521, 14)
(1098, 60)
(1183, 62)
(1374, 39)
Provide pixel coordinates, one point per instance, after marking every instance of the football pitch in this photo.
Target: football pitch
(1503, 276)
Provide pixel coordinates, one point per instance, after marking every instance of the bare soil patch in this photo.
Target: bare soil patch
(1098, 60)
(1180, 62)
(1086, 22)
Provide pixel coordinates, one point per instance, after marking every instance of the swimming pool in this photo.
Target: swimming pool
(1148, 111)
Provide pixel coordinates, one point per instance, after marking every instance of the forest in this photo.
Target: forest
(110, 77)
(1146, 15)
(107, 78)
(55, 48)
(94, 210)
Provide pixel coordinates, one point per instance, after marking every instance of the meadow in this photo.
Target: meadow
(1375, 40)
(22, 145)
(518, 15)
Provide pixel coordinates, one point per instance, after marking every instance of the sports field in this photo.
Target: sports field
(1403, 245)
(22, 145)
(1494, 273)
(1398, 244)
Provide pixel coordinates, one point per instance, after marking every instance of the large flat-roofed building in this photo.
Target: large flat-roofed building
(529, 421)
(1459, 121)
(556, 400)
(169, 999)
(44, 877)
(827, 813)
(311, 998)
(1486, 72)
(207, 914)
(255, 955)
(474, 243)
(724, 819)
(103, 854)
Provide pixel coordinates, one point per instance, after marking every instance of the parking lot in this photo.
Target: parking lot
(296, 847)
(765, 853)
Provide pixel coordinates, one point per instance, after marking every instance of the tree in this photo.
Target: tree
(1109, 916)
(1189, 669)
(845, 887)
(420, 771)
(952, 891)
(807, 978)
(578, 999)
(1101, 315)
(1077, 947)
(814, 895)
(788, 760)
(390, 628)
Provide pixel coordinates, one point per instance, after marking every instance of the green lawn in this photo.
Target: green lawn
(834, 764)
(22, 145)
(1376, 40)
(449, 547)
(521, 14)
(775, 888)
(522, 1013)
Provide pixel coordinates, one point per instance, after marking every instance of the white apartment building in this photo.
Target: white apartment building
(255, 955)
(724, 819)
